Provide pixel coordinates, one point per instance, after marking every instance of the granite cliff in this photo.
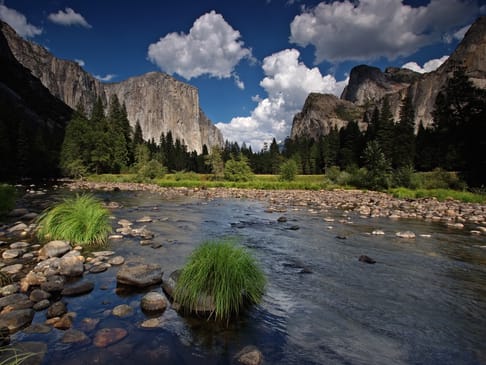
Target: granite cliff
(368, 86)
(157, 101)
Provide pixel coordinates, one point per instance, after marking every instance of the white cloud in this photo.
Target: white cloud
(18, 22)
(68, 17)
(80, 62)
(238, 82)
(429, 66)
(212, 47)
(287, 83)
(369, 29)
(105, 78)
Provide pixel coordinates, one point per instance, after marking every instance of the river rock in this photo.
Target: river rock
(366, 259)
(12, 269)
(38, 328)
(78, 288)
(38, 294)
(103, 253)
(249, 355)
(144, 219)
(9, 289)
(18, 212)
(115, 237)
(152, 323)
(19, 245)
(41, 305)
(54, 249)
(108, 336)
(282, 219)
(378, 232)
(140, 275)
(89, 324)
(12, 253)
(72, 265)
(117, 260)
(101, 267)
(65, 322)
(18, 227)
(16, 319)
(153, 302)
(406, 234)
(169, 284)
(32, 279)
(124, 222)
(122, 310)
(53, 284)
(74, 336)
(18, 299)
(57, 309)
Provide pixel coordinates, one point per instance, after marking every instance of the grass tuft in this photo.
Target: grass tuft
(224, 271)
(81, 220)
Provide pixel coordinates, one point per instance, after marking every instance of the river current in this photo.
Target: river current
(423, 302)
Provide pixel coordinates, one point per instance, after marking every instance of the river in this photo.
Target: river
(423, 302)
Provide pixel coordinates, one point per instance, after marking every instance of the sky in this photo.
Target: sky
(253, 61)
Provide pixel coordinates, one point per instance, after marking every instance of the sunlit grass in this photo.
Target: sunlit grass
(224, 271)
(439, 194)
(80, 220)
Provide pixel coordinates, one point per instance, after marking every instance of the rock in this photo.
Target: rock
(49, 267)
(406, 234)
(340, 237)
(18, 212)
(9, 289)
(19, 245)
(124, 222)
(38, 328)
(455, 225)
(12, 253)
(115, 237)
(65, 322)
(41, 305)
(378, 232)
(103, 253)
(57, 309)
(282, 219)
(71, 265)
(169, 284)
(32, 279)
(140, 275)
(18, 299)
(156, 245)
(95, 269)
(74, 336)
(144, 219)
(12, 269)
(54, 283)
(366, 259)
(250, 355)
(78, 288)
(146, 242)
(152, 323)
(29, 216)
(17, 228)
(89, 324)
(117, 260)
(35, 350)
(108, 336)
(54, 249)
(153, 302)
(16, 319)
(293, 228)
(122, 310)
(38, 294)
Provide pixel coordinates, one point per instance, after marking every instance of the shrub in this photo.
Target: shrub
(378, 167)
(237, 170)
(441, 179)
(7, 198)
(405, 177)
(288, 171)
(81, 220)
(224, 271)
(151, 170)
(186, 176)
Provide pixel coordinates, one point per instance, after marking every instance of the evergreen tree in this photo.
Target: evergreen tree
(404, 141)
(137, 138)
(385, 130)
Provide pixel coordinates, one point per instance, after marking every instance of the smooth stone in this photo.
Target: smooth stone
(99, 268)
(169, 284)
(12, 253)
(282, 219)
(18, 212)
(366, 259)
(17, 319)
(12, 269)
(9, 289)
(124, 222)
(103, 253)
(455, 225)
(78, 288)
(41, 305)
(65, 322)
(13, 299)
(54, 283)
(152, 323)
(140, 275)
(38, 294)
(17, 245)
(17, 228)
(29, 216)
(108, 336)
(156, 245)
(249, 355)
(122, 310)
(89, 324)
(54, 249)
(56, 309)
(146, 242)
(74, 336)
(38, 328)
(32, 279)
(153, 302)
(71, 265)
(144, 219)
(117, 260)
(293, 228)
(115, 237)
(28, 256)
(406, 234)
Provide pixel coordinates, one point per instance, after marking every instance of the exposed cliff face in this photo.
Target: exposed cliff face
(157, 101)
(321, 113)
(369, 85)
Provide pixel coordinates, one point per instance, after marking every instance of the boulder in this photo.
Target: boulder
(38, 294)
(153, 302)
(57, 309)
(54, 249)
(54, 283)
(141, 275)
(71, 265)
(12, 269)
(13, 300)
(16, 319)
(78, 288)
(169, 284)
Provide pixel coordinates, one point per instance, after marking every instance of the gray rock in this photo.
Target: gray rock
(18, 212)
(103, 253)
(140, 275)
(144, 219)
(38, 328)
(249, 355)
(18, 227)
(38, 294)
(16, 319)
(9, 289)
(15, 300)
(41, 305)
(169, 284)
(122, 310)
(153, 302)
(406, 234)
(29, 216)
(117, 260)
(54, 249)
(17, 245)
(57, 309)
(74, 336)
(95, 269)
(12, 269)
(54, 283)
(79, 288)
(152, 323)
(71, 265)
(12, 253)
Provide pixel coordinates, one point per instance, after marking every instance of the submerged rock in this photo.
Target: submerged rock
(140, 275)
(249, 355)
(153, 302)
(366, 259)
(108, 336)
(78, 288)
(16, 319)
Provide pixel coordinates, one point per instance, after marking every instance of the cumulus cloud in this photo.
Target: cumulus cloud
(369, 29)
(106, 78)
(80, 62)
(18, 21)
(68, 17)
(287, 83)
(238, 82)
(429, 66)
(212, 47)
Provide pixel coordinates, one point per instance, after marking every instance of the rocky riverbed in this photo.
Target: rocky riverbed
(36, 278)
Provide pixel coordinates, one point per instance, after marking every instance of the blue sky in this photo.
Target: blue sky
(254, 62)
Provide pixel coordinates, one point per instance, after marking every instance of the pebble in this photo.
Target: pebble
(108, 336)
(406, 234)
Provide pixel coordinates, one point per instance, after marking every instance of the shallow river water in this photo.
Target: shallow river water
(423, 302)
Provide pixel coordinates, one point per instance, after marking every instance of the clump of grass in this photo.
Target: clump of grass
(81, 220)
(223, 271)
(10, 356)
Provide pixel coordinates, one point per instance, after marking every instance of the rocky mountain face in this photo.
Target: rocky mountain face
(368, 86)
(157, 101)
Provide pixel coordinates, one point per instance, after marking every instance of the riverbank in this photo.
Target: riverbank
(365, 203)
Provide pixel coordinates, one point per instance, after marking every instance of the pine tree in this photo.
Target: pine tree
(385, 130)
(404, 141)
